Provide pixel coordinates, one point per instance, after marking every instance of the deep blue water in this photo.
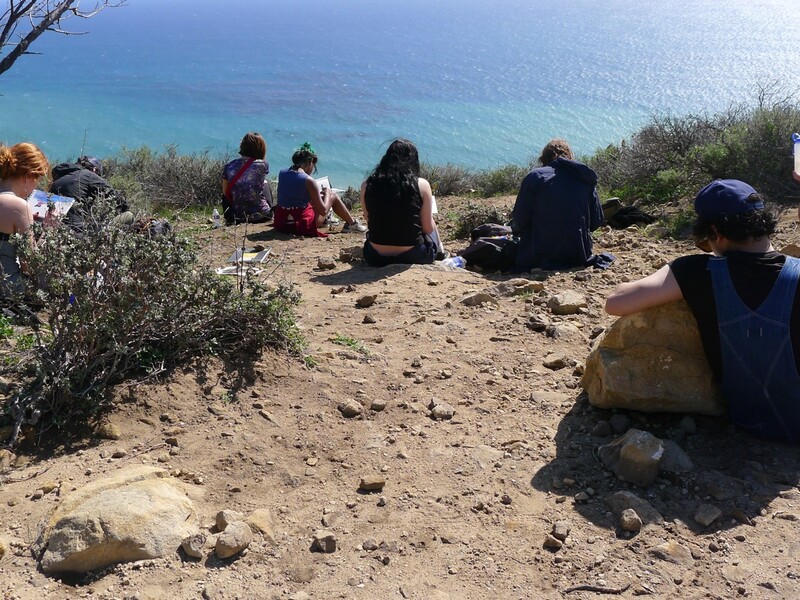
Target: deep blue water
(472, 82)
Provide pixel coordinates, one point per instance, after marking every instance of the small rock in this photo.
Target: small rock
(378, 405)
(326, 263)
(567, 303)
(350, 409)
(538, 322)
(236, 537)
(108, 431)
(552, 543)
(673, 552)
(370, 545)
(706, 514)
(366, 300)
(442, 411)
(121, 453)
(675, 460)
(260, 520)
(561, 530)
(506, 499)
(300, 596)
(601, 429)
(630, 521)
(556, 361)
(620, 501)
(478, 299)
(323, 541)
(371, 483)
(226, 517)
(635, 457)
(369, 319)
(193, 545)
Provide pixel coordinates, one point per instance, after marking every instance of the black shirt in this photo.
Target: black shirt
(393, 220)
(753, 275)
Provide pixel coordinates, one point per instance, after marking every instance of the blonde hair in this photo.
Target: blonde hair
(554, 149)
(22, 160)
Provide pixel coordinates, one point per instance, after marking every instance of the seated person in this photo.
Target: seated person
(247, 197)
(21, 168)
(84, 182)
(744, 298)
(302, 206)
(398, 206)
(557, 209)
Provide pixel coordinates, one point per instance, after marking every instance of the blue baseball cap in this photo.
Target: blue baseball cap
(726, 197)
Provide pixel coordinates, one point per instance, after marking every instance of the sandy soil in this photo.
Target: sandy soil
(468, 502)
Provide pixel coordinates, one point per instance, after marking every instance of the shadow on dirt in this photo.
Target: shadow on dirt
(739, 474)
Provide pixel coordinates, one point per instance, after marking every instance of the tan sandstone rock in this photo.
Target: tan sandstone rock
(652, 361)
(138, 513)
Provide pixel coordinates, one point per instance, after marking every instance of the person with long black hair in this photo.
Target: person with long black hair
(398, 207)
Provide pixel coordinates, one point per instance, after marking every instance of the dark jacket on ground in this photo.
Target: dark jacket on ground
(556, 210)
(75, 181)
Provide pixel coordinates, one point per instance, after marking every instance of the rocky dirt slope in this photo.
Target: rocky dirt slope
(468, 502)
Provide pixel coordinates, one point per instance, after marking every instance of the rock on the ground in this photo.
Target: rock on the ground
(675, 460)
(478, 299)
(652, 361)
(371, 483)
(706, 514)
(323, 541)
(635, 457)
(568, 302)
(326, 263)
(561, 530)
(225, 517)
(552, 543)
(366, 300)
(619, 502)
(673, 552)
(3, 548)
(350, 409)
(441, 411)
(136, 514)
(517, 287)
(260, 520)
(236, 537)
(193, 545)
(629, 520)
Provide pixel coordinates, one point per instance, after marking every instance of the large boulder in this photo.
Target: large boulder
(138, 513)
(652, 361)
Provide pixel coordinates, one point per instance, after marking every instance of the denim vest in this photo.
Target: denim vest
(759, 377)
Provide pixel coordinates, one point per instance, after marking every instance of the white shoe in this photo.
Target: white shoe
(354, 227)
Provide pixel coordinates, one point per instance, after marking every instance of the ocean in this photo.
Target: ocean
(471, 82)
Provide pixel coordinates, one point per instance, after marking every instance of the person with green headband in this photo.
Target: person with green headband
(302, 205)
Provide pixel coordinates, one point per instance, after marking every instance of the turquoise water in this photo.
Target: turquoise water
(471, 82)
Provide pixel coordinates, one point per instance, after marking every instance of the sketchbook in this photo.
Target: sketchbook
(250, 256)
(40, 201)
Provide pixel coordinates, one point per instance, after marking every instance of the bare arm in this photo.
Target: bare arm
(224, 186)
(363, 202)
(315, 196)
(426, 214)
(659, 288)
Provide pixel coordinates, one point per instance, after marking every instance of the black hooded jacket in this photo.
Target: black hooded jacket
(557, 209)
(75, 181)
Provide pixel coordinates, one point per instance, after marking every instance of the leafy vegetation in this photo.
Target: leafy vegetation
(123, 305)
(475, 214)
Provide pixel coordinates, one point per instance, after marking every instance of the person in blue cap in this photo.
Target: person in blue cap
(745, 300)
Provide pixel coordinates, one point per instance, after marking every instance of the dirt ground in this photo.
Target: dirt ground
(467, 502)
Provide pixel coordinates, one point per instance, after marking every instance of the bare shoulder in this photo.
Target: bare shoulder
(424, 185)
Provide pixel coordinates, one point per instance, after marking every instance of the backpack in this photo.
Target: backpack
(491, 253)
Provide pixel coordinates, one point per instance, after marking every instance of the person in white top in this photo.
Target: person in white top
(22, 166)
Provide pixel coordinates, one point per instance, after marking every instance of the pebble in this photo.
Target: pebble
(552, 543)
(371, 483)
(561, 530)
(226, 517)
(236, 538)
(366, 300)
(326, 263)
(119, 453)
(378, 405)
(370, 545)
(369, 319)
(350, 409)
(193, 545)
(707, 514)
(323, 541)
(629, 520)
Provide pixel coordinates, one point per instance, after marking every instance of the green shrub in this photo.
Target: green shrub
(167, 178)
(500, 181)
(122, 305)
(448, 179)
(478, 214)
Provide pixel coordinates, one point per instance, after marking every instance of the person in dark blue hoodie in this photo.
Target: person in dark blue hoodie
(557, 209)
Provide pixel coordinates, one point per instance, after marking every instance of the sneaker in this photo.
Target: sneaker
(354, 227)
(332, 219)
